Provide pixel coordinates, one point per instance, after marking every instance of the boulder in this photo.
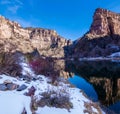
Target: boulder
(11, 86)
(22, 87)
(8, 85)
(7, 82)
(3, 87)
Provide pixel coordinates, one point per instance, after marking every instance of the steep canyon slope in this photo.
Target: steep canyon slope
(103, 38)
(15, 38)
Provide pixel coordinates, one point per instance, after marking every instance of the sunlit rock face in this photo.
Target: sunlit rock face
(103, 37)
(105, 23)
(13, 37)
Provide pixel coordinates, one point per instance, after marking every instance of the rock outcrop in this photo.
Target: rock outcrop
(15, 38)
(103, 38)
(105, 23)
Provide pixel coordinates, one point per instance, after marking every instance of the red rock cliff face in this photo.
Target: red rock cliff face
(103, 38)
(15, 38)
(104, 23)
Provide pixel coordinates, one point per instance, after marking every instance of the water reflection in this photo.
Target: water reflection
(104, 76)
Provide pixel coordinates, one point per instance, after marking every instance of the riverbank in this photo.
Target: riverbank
(59, 97)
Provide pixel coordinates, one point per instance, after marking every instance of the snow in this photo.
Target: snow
(26, 70)
(94, 109)
(115, 57)
(112, 57)
(117, 54)
(93, 58)
(13, 102)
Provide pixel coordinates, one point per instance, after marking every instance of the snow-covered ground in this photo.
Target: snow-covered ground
(112, 57)
(92, 58)
(117, 54)
(14, 102)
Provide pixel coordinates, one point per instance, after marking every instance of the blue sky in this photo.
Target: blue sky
(70, 18)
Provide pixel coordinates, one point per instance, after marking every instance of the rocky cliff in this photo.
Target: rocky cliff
(15, 38)
(105, 23)
(103, 38)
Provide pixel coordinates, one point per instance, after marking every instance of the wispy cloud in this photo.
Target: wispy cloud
(12, 5)
(13, 9)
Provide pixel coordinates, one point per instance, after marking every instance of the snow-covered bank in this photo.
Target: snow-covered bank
(15, 102)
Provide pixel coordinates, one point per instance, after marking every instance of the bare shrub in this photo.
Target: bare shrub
(57, 99)
(39, 65)
(9, 64)
(89, 108)
(44, 67)
(33, 105)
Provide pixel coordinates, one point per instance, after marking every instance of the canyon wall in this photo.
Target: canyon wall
(103, 37)
(13, 38)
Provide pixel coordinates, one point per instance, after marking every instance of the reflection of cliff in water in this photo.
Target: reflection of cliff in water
(103, 75)
(60, 67)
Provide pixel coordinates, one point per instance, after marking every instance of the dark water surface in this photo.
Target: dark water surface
(82, 84)
(100, 80)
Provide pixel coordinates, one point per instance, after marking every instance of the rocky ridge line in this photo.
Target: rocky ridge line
(105, 23)
(15, 38)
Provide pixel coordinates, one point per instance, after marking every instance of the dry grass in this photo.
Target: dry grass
(9, 64)
(53, 99)
(89, 106)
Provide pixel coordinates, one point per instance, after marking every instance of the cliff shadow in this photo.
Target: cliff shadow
(99, 46)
